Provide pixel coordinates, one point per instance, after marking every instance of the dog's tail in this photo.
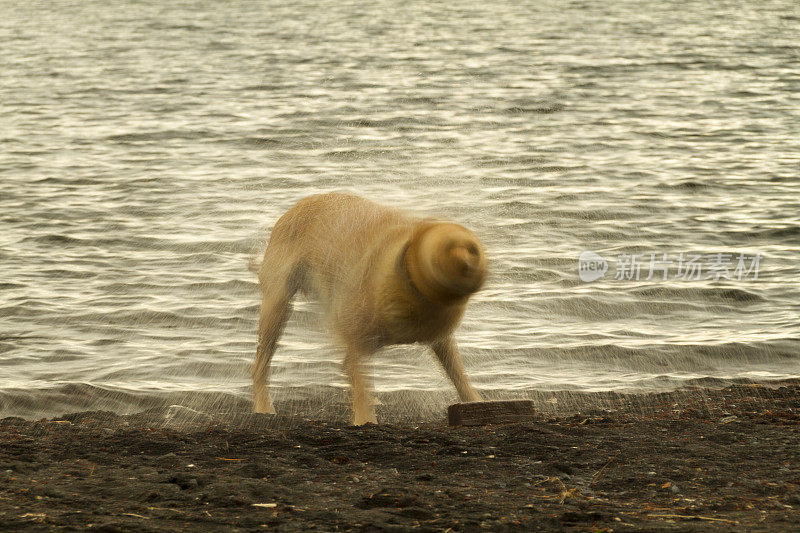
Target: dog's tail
(254, 264)
(256, 256)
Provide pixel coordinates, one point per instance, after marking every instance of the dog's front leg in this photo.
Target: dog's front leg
(363, 403)
(447, 352)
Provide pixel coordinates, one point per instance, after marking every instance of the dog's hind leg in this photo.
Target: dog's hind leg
(363, 403)
(447, 352)
(277, 291)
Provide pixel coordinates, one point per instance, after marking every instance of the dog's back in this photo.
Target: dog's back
(327, 238)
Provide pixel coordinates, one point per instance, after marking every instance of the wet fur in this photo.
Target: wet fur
(382, 278)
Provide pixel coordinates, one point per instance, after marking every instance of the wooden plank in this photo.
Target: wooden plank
(495, 412)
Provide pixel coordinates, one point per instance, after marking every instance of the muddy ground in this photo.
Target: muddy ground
(691, 460)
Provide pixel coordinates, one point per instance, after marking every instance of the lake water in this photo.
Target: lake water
(146, 148)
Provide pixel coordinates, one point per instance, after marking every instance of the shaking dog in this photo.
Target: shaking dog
(382, 278)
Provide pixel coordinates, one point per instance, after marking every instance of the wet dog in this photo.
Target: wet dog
(382, 277)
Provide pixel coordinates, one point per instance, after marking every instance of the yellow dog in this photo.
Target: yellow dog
(382, 278)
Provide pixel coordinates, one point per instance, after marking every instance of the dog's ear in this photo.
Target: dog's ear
(445, 261)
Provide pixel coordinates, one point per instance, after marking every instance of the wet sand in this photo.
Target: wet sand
(696, 459)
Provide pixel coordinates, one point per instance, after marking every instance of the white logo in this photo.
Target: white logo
(591, 266)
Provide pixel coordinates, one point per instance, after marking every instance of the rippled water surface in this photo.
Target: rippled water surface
(146, 148)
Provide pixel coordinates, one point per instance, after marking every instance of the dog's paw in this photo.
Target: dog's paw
(263, 404)
(365, 419)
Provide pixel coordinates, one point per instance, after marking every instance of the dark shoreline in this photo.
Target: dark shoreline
(695, 459)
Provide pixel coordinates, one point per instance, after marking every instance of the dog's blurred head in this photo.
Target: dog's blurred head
(445, 262)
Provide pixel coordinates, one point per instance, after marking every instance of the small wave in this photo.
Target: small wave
(296, 404)
(56, 238)
(70, 180)
(226, 286)
(691, 294)
(701, 358)
(165, 26)
(356, 154)
(257, 142)
(240, 246)
(189, 317)
(71, 397)
(162, 135)
(739, 295)
(390, 122)
(492, 161)
(79, 272)
(689, 185)
(419, 100)
(786, 231)
(751, 234)
(540, 108)
(267, 87)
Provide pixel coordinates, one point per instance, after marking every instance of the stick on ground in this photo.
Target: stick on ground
(485, 413)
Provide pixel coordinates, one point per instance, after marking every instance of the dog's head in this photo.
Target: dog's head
(445, 261)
